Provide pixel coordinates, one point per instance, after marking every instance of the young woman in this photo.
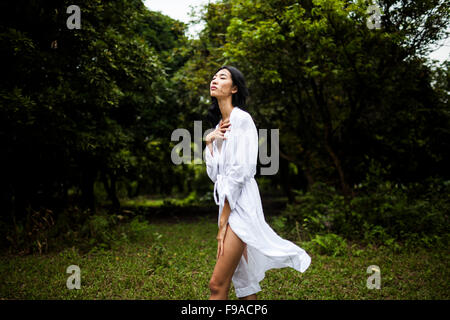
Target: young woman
(247, 246)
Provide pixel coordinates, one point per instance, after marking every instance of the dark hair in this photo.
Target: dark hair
(238, 98)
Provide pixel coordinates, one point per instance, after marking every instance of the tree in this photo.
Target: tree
(339, 91)
(76, 106)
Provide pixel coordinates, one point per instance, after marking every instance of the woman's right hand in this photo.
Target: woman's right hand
(219, 132)
(221, 239)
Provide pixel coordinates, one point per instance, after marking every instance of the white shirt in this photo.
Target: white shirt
(232, 169)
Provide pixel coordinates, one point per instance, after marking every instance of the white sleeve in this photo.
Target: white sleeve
(212, 163)
(242, 154)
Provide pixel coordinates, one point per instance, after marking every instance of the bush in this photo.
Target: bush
(32, 234)
(380, 213)
(330, 244)
(43, 231)
(98, 229)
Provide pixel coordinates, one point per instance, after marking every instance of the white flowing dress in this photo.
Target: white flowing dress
(232, 167)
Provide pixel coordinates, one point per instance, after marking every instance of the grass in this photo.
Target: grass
(175, 261)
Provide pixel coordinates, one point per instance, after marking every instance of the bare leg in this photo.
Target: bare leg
(220, 282)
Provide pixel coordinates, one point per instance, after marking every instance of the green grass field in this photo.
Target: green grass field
(175, 261)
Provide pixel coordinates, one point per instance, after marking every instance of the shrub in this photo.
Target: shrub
(330, 244)
(32, 234)
(379, 213)
(98, 229)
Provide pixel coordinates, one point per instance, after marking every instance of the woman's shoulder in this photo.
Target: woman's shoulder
(242, 116)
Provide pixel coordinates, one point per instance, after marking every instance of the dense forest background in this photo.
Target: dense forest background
(86, 115)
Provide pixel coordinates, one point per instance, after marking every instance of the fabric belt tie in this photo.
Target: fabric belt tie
(218, 185)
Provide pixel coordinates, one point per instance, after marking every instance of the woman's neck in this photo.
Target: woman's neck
(225, 109)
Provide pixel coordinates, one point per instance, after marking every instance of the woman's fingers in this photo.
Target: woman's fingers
(220, 135)
(224, 124)
(220, 248)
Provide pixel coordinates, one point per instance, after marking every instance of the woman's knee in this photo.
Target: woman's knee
(217, 285)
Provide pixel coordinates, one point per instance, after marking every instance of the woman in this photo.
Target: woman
(247, 246)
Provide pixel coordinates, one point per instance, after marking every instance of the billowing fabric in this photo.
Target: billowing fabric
(232, 168)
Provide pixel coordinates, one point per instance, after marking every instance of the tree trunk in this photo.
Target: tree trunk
(337, 163)
(327, 135)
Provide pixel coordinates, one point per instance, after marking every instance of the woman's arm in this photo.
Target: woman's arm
(225, 213)
(223, 222)
(210, 146)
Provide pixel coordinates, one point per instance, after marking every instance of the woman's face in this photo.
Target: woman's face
(221, 84)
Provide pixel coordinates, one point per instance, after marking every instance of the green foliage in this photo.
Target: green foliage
(98, 230)
(85, 110)
(106, 231)
(330, 244)
(33, 235)
(191, 198)
(74, 227)
(383, 214)
(158, 252)
(339, 91)
(279, 223)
